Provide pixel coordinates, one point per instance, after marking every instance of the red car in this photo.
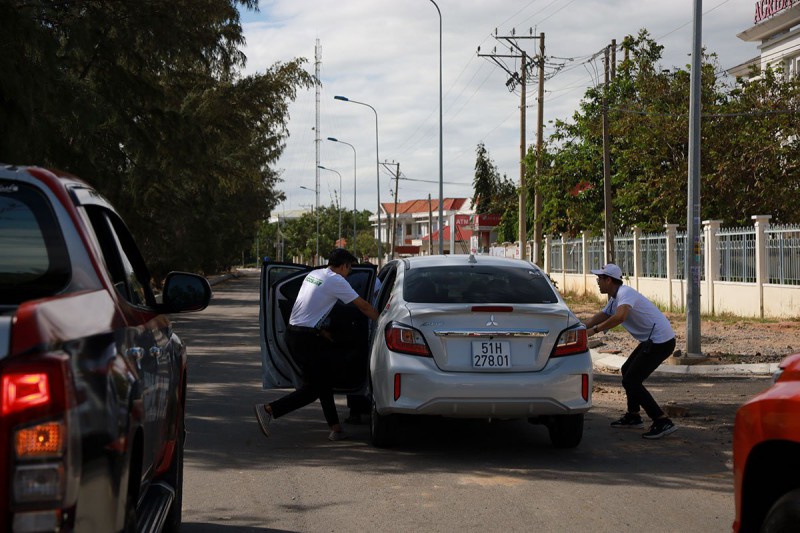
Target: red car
(92, 375)
(766, 456)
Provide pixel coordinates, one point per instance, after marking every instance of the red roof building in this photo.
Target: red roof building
(417, 228)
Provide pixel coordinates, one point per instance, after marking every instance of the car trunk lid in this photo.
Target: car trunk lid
(479, 338)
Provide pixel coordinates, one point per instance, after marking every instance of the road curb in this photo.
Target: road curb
(605, 361)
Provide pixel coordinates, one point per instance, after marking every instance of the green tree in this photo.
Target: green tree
(484, 184)
(749, 142)
(145, 101)
(495, 195)
(300, 235)
(491, 193)
(754, 164)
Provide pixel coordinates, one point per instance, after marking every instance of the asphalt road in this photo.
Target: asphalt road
(445, 475)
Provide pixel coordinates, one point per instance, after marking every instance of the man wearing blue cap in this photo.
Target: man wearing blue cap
(648, 325)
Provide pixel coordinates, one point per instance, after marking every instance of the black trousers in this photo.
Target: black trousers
(640, 364)
(322, 365)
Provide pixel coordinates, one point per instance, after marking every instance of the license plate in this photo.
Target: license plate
(491, 354)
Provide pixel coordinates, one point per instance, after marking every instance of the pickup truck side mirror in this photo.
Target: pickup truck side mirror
(185, 292)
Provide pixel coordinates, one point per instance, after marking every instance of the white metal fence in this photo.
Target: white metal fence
(762, 260)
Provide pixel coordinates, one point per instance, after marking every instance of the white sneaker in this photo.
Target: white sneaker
(338, 435)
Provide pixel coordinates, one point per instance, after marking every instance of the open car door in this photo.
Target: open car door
(280, 284)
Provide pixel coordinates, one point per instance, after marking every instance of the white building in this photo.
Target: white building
(417, 228)
(776, 27)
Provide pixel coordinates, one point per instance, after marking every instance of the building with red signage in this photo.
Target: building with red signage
(417, 229)
(776, 29)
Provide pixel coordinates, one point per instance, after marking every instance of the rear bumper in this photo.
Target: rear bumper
(426, 390)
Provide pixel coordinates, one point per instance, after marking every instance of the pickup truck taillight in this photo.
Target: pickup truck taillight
(37, 404)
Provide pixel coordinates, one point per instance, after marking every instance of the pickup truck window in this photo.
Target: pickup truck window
(123, 262)
(33, 256)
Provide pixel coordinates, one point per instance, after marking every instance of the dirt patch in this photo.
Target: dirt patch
(723, 340)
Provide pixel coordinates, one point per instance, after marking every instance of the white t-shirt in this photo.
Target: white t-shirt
(643, 317)
(318, 294)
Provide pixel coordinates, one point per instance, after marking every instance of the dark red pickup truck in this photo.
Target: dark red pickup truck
(92, 375)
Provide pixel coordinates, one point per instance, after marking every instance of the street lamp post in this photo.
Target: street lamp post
(334, 139)
(377, 171)
(339, 202)
(441, 166)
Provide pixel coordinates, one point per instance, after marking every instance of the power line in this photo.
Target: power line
(708, 115)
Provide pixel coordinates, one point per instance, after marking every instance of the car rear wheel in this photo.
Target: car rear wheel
(382, 428)
(566, 431)
(784, 516)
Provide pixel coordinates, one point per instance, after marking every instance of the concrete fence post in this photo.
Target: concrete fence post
(637, 256)
(564, 256)
(547, 266)
(585, 260)
(710, 230)
(672, 259)
(762, 271)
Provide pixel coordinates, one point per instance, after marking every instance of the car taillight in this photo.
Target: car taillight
(571, 342)
(37, 405)
(42, 440)
(24, 390)
(405, 339)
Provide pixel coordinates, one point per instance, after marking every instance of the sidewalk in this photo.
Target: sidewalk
(606, 361)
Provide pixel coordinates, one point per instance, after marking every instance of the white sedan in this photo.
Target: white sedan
(458, 336)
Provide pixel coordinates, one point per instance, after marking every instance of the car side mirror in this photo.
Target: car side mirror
(184, 292)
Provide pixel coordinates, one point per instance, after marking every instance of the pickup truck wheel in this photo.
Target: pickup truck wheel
(174, 477)
(381, 428)
(566, 431)
(784, 516)
(131, 499)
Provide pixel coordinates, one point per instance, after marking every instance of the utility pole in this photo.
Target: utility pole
(318, 86)
(609, 227)
(523, 193)
(515, 79)
(537, 198)
(394, 216)
(613, 59)
(694, 237)
(430, 226)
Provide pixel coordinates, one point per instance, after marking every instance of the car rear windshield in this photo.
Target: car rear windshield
(477, 284)
(33, 256)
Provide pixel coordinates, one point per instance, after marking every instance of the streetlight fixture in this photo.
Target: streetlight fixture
(338, 207)
(377, 171)
(441, 166)
(334, 139)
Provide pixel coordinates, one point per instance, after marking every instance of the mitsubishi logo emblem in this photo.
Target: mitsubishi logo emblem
(491, 321)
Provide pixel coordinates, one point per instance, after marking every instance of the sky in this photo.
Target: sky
(385, 53)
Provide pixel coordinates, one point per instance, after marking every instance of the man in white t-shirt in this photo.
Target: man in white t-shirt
(648, 325)
(311, 348)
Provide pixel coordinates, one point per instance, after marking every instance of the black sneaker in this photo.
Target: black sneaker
(628, 420)
(263, 417)
(660, 428)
